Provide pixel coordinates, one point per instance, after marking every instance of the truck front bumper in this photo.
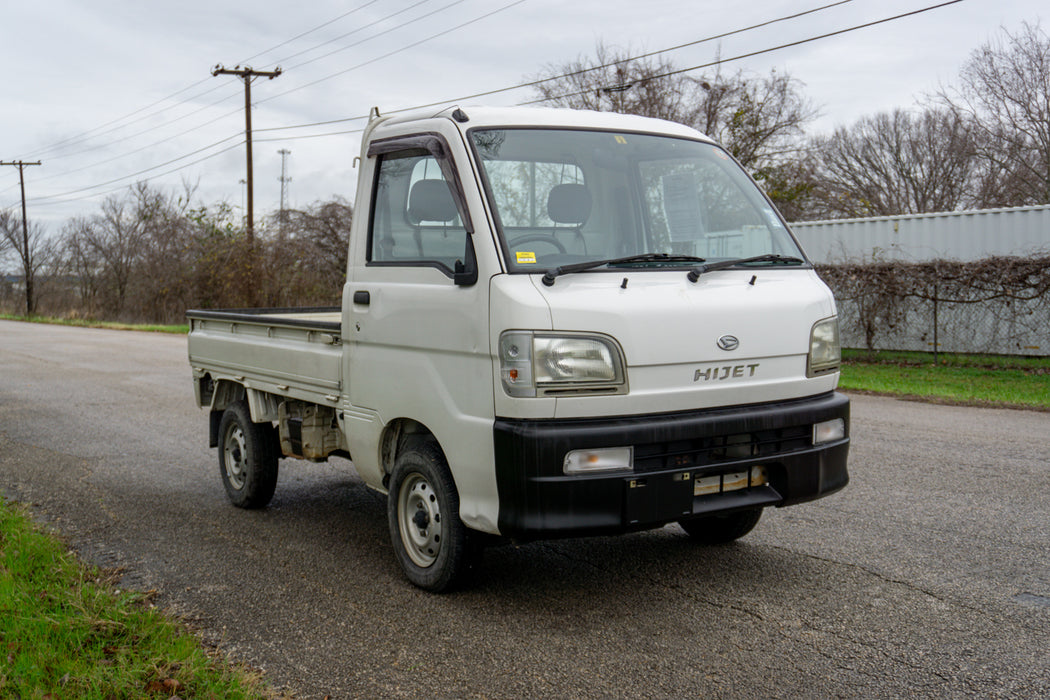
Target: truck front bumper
(672, 452)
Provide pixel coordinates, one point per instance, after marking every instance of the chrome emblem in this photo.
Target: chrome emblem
(728, 342)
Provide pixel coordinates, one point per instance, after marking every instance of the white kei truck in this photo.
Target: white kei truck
(555, 323)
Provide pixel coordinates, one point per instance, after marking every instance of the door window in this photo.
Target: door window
(415, 220)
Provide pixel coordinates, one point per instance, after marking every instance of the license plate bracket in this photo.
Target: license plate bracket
(731, 481)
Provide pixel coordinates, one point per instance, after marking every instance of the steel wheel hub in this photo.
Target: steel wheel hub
(235, 450)
(419, 520)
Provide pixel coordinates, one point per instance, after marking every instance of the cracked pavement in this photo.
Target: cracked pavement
(928, 576)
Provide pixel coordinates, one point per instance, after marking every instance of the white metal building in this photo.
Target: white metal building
(960, 235)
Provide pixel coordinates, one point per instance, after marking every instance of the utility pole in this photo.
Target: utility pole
(247, 74)
(284, 180)
(27, 262)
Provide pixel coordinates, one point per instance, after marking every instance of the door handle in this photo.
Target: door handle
(363, 298)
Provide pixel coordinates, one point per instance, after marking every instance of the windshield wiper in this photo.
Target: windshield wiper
(550, 275)
(695, 273)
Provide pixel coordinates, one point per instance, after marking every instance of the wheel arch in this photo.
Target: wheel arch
(223, 393)
(397, 435)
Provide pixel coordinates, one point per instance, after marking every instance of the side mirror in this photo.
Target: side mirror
(466, 275)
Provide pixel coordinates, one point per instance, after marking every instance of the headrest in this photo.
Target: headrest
(431, 200)
(569, 204)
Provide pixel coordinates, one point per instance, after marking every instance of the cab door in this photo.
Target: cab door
(418, 313)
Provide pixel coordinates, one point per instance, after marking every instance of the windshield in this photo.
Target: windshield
(565, 197)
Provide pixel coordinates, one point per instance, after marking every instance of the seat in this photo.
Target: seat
(431, 200)
(432, 214)
(570, 203)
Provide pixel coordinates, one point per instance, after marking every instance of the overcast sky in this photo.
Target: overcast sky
(108, 92)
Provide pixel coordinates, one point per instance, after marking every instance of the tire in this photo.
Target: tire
(430, 542)
(721, 529)
(247, 458)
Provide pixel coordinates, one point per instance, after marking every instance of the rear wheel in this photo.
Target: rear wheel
(430, 541)
(247, 458)
(720, 529)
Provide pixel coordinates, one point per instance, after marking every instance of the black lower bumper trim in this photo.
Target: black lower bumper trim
(538, 500)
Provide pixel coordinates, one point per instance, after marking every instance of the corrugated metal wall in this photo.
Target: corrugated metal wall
(966, 235)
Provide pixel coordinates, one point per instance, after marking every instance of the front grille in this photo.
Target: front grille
(717, 449)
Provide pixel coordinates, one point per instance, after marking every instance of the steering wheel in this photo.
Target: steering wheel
(539, 238)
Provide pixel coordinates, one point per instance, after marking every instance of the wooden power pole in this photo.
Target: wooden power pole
(27, 261)
(247, 74)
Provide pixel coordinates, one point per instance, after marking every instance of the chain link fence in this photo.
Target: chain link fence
(998, 305)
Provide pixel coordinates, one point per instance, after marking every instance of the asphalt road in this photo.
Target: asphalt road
(928, 576)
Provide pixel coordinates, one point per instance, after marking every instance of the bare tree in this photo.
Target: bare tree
(614, 82)
(760, 120)
(322, 232)
(83, 265)
(161, 281)
(33, 253)
(307, 264)
(1004, 93)
(115, 239)
(150, 254)
(895, 163)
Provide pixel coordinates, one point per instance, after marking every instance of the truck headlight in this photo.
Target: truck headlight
(825, 350)
(543, 364)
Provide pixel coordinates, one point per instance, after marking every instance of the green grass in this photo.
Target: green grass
(980, 380)
(66, 632)
(91, 323)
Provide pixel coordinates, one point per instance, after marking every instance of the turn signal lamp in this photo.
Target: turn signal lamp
(605, 459)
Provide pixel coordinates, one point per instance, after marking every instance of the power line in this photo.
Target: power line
(540, 81)
(64, 199)
(144, 171)
(751, 54)
(309, 31)
(81, 136)
(396, 51)
(115, 123)
(536, 82)
(229, 114)
(148, 146)
(228, 97)
(310, 136)
(476, 19)
(286, 59)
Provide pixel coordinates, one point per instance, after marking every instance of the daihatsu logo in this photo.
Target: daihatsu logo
(728, 342)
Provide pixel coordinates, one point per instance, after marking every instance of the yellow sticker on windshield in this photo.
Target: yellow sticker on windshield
(620, 140)
(524, 257)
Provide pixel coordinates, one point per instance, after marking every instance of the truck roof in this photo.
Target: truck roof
(493, 117)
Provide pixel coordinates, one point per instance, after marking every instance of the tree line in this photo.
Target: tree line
(983, 142)
(148, 255)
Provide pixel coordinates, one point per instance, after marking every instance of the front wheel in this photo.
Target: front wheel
(720, 529)
(247, 458)
(430, 541)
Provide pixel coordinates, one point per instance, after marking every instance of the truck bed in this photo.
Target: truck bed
(289, 352)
